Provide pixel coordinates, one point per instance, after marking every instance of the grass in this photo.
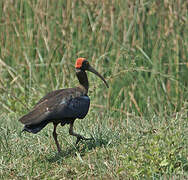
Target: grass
(139, 124)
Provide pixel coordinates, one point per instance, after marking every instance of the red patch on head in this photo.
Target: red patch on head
(79, 62)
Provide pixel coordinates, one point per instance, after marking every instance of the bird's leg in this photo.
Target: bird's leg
(55, 138)
(79, 137)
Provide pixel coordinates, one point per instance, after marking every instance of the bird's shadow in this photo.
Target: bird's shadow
(81, 148)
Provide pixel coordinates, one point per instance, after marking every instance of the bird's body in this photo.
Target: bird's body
(62, 106)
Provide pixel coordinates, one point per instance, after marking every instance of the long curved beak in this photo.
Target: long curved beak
(91, 69)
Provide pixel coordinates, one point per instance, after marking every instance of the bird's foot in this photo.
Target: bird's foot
(59, 150)
(82, 138)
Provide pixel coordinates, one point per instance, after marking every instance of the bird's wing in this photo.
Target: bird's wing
(60, 104)
(49, 95)
(40, 111)
(37, 115)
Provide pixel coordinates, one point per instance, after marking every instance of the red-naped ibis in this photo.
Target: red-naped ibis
(63, 105)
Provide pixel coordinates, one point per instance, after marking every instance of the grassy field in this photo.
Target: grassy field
(139, 124)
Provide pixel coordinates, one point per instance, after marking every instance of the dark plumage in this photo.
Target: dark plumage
(62, 106)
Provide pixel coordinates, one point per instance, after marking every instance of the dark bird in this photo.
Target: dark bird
(63, 105)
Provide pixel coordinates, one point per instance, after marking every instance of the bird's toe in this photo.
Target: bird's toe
(82, 138)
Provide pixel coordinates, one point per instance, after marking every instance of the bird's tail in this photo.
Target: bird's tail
(35, 128)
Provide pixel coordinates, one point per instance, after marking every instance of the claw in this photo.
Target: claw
(79, 137)
(82, 138)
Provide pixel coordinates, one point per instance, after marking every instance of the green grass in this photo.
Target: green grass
(139, 124)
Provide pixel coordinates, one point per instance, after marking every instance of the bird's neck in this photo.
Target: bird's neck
(83, 80)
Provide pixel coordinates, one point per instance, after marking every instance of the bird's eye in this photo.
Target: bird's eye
(85, 64)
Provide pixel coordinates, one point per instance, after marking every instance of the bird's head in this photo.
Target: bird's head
(83, 65)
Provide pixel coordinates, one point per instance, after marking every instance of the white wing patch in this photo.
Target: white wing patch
(62, 102)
